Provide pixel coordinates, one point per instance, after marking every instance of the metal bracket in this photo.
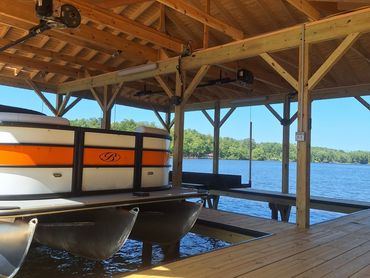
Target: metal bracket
(176, 100)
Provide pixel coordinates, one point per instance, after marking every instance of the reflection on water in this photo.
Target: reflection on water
(42, 261)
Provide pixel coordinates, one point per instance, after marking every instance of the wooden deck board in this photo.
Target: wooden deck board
(337, 248)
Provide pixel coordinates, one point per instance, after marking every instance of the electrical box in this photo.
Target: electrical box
(300, 136)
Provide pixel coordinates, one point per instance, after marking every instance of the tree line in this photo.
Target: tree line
(198, 145)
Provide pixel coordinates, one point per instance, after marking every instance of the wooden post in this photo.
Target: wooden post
(216, 138)
(285, 156)
(107, 111)
(168, 121)
(179, 133)
(303, 137)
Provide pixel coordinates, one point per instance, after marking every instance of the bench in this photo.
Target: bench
(209, 181)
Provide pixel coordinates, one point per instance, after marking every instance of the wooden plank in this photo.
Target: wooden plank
(334, 57)
(256, 255)
(280, 70)
(203, 17)
(318, 31)
(126, 25)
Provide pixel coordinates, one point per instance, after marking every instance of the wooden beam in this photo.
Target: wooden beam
(209, 118)
(306, 8)
(363, 102)
(97, 98)
(63, 104)
(116, 92)
(159, 117)
(318, 31)
(107, 111)
(227, 116)
(126, 25)
(294, 117)
(41, 95)
(21, 14)
(273, 112)
(195, 82)
(332, 59)
(166, 88)
(304, 143)
(70, 106)
(110, 4)
(162, 18)
(58, 56)
(201, 16)
(43, 66)
(280, 70)
(205, 26)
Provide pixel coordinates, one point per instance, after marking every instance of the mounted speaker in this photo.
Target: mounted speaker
(70, 16)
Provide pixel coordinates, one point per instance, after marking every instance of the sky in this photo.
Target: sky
(338, 123)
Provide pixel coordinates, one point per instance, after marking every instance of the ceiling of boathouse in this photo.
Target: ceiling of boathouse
(119, 34)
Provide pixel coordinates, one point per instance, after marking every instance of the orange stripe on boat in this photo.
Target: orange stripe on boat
(155, 158)
(111, 157)
(18, 155)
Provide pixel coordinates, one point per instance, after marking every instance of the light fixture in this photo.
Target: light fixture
(137, 69)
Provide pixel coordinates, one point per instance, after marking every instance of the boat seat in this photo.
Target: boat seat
(208, 181)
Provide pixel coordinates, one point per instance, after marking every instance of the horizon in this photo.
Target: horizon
(340, 124)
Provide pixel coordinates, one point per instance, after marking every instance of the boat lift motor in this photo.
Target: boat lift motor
(69, 17)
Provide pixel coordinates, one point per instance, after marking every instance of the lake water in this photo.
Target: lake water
(345, 181)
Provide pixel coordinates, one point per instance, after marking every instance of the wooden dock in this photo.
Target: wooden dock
(337, 248)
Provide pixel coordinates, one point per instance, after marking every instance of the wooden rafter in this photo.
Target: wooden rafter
(21, 15)
(110, 4)
(58, 56)
(306, 8)
(318, 31)
(203, 17)
(38, 64)
(126, 25)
